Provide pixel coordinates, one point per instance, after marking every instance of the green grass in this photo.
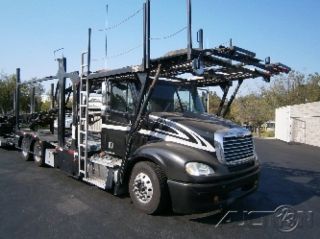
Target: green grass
(267, 134)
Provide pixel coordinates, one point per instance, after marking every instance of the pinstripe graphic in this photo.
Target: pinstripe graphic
(177, 136)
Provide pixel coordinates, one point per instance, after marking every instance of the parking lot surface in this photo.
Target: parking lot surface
(45, 203)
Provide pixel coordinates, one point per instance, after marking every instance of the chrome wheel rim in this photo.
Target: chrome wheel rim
(37, 153)
(142, 188)
(24, 153)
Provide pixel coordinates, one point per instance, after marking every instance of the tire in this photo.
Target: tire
(25, 149)
(38, 154)
(148, 188)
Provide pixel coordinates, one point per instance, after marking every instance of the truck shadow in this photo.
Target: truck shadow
(9, 148)
(278, 186)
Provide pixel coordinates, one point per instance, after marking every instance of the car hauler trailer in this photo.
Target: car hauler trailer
(10, 122)
(155, 140)
(34, 142)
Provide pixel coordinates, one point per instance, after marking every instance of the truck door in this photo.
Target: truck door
(118, 122)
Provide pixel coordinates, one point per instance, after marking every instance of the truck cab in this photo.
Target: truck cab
(180, 153)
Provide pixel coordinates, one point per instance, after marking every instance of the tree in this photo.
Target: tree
(7, 89)
(214, 101)
(251, 109)
(7, 86)
(294, 88)
(313, 88)
(45, 105)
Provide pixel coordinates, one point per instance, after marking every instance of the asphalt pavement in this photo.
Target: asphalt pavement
(45, 203)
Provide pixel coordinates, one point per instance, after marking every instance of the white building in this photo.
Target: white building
(299, 123)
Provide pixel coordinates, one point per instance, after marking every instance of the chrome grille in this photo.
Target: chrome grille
(238, 149)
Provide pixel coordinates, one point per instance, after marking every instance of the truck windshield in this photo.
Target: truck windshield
(170, 97)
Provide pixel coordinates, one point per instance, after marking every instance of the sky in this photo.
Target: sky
(286, 30)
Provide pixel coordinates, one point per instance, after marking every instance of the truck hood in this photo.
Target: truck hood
(190, 129)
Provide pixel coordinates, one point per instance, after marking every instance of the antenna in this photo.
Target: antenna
(57, 50)
(106, 37)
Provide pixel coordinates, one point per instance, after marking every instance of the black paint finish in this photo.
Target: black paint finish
(65, 161)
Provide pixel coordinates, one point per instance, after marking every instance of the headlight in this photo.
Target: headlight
(198, 169)
(256, 156)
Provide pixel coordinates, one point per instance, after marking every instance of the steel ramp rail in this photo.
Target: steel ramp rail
(83, 119)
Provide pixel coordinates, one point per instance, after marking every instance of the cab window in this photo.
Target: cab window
(121, 97)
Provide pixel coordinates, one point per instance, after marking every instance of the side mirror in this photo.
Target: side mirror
(197, 66)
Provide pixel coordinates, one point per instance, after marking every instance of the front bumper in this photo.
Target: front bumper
(188, 198)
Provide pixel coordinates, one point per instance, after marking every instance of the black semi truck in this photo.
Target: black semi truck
(148, 134)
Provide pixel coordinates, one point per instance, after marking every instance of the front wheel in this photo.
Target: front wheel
(148, 188)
